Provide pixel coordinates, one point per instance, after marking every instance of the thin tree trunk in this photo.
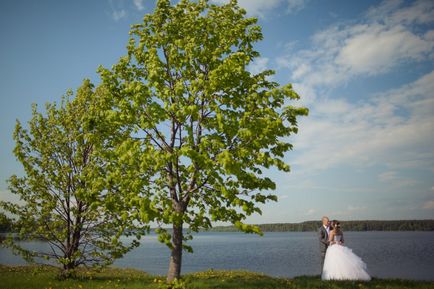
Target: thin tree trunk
(176, 256)
(67, 270)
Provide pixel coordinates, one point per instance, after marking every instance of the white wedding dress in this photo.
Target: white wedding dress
(341, 263)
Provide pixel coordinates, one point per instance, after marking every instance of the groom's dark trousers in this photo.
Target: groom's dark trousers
(323, 243)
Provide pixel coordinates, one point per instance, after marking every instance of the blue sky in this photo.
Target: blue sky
(365, 69)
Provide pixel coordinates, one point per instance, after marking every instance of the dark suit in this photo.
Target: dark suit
(323, 243)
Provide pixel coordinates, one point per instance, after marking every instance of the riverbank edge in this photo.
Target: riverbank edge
(43, 276)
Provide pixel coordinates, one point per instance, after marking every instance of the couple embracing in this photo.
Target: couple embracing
(337, 261)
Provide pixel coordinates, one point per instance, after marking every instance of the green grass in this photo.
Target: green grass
(29, 277)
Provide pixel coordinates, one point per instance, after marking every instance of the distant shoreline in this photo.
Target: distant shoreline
(310, 226)
(355, 226)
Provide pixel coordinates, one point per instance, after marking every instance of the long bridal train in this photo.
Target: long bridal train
(342, 264)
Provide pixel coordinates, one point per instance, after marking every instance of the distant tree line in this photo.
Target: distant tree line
(364, 225)
(357, 226)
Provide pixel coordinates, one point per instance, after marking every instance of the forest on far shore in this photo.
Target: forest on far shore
(363, 225)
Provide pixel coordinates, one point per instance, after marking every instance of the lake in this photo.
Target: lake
(407, 255)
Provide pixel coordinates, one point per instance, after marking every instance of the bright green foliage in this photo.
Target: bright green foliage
(58, 197)
(191, 129)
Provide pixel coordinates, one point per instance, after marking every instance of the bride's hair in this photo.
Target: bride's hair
(336, 226)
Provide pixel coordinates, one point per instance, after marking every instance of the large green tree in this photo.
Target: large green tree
(60, 202)
(194, 127)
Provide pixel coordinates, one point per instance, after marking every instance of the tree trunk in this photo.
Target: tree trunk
(67, 271)
(176, 256)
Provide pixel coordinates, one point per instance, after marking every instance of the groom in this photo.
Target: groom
(323, 232)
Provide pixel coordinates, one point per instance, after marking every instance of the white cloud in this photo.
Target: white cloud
(260, 8)
(310, 212)
(385, 38)
(387, 176)
(385, 8)
(349, 213)
(351, 208)
(394, 179)
(7, 196)
(139, 4)
(118, 11)
(295, 5)
(371, 131)
(301, 71)
(377, 49)
(428, 205)
(258, 65)
(119, 14)
(255, 7)
(394, 12)
(392, 129)
(307, 92)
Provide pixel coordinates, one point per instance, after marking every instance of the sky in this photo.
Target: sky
(365, 70)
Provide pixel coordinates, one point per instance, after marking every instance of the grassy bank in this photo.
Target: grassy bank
(46, 277)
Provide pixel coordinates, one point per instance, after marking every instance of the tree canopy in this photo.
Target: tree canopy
(192, 132)
(57, 190)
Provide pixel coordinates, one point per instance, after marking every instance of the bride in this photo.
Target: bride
(340, 262)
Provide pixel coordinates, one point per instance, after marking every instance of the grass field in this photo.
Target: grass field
(28, 277)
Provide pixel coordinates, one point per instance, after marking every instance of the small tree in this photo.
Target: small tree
(195, 127)
(59, 199)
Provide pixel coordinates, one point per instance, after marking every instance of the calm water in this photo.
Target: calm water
(408, 255)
